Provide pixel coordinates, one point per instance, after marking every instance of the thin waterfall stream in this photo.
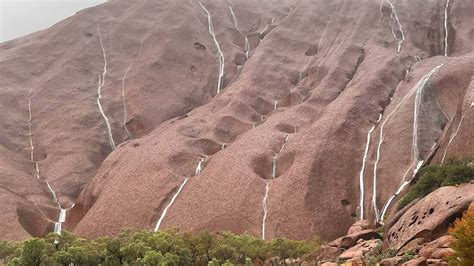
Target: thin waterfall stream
(197, 171)
(237, 27)
(123, 85)
(219, 51)
(454, 135)
(267, 185)
(395, 24)
(99, 91)
(63, 212)
(446, 8)
(362, 169)
(417, 160)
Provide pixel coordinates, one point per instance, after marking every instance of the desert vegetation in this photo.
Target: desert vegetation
(160, 248)
(454, 172)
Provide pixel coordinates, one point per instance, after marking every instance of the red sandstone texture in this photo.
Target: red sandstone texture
(291, 121)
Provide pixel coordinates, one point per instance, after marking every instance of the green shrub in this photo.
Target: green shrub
(434, 177)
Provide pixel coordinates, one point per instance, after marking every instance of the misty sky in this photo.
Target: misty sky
(20, 17)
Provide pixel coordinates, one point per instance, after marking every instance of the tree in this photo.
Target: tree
(171, 260)
(152, 258)
(6, 249)
(34, 251)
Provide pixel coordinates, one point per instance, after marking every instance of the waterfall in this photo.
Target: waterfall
(199, 167)
(234, 19)
(417, 161)
(452, 138)
(247, 47)
(446, 28)
(394, 20)
(62, 214)
(219, 51)
(274, 166)
(275, 105)
(361, 173)
(123, 86)
(30, 137)
(198, 170)
(267, 184)
(158, 224)
(236, 26)
(264, 219)
(99, 91)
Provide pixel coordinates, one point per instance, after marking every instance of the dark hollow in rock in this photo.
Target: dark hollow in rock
(262, 166)
(228, 127)
(181, 163)
(286, 128)
(313, 50)
(204, 146)
(345, 202)
(199, 46)
(240, 59)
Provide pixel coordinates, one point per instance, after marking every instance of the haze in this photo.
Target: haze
(21, 17)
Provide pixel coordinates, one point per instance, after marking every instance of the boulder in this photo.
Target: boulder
(436, 262)
(442, 253)
(328, 263)
(350, 240)
(351, 253)
(431, 217)
(327, 253)
(356, 262)
(471, 206)
(359, 250)
(359, 226)
(391, 261)
(438, 244)
(416, 262)
(413, 246)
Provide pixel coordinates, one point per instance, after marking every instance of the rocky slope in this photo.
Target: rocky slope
(279, 118)
(416, 235)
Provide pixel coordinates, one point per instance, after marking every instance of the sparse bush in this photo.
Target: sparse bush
(377, 254)
(463, 246)
(434, 177)
(407, 257)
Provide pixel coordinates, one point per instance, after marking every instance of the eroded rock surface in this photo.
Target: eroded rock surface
(430, 218)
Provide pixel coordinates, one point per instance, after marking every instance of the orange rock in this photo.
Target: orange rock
(416, 262)
(359, 226)
(430, 214)
(442, 253)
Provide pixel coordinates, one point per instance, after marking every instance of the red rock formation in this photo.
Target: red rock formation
(292, 118)
(430, 218)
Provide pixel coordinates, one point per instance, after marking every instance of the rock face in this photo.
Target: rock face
(430, 219)
(114, 114)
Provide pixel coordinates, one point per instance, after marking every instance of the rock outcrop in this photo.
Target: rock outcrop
(431, 217)
(414, 238)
